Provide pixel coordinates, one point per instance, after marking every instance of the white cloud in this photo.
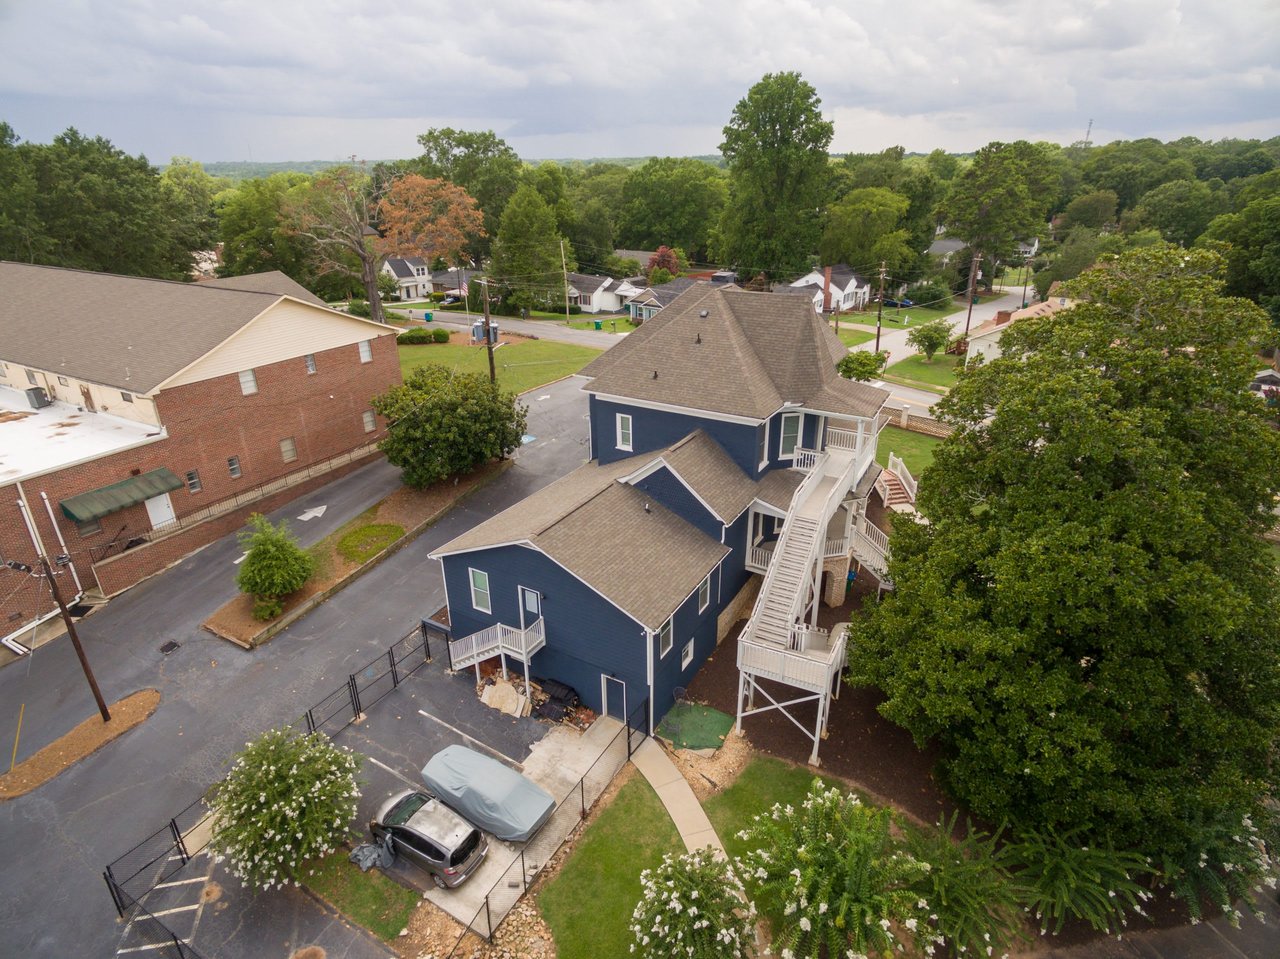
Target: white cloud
(291, 79)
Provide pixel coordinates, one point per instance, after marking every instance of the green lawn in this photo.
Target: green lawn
(851, 337)
(763, 782)
(895, 318)
(520, 366)
(369, 899)
(610, 324)
(365, 542)
(588, 904)
(916, 449)
(917, 371)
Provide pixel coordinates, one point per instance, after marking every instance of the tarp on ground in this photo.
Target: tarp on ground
(497, 799)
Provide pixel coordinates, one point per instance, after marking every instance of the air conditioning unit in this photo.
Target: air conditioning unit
(37, 397)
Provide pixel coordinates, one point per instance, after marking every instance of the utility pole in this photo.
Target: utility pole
(75, 639)
(973, 279)
(880, 306)
(488, 334)
(564, 273)
(1026, 277)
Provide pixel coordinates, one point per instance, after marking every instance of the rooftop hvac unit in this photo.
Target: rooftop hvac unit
(37, 397)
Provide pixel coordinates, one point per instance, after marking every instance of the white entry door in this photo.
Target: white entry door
(160, 511)
(530, 607)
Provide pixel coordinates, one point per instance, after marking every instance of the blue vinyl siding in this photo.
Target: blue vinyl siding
(657, 429)
(688, 625)
(668, 490)
(586, 635)
(734, 565)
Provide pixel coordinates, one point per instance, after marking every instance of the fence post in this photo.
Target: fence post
(426, 640)
(177, 841)
(311, 721)
(391, 658)
(354, 690)
(582, 799)
(524, 872)
(488, 920)
(115, 895)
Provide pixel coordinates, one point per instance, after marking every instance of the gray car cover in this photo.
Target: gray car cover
(497, 799)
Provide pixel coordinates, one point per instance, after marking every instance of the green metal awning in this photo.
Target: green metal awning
(97, 503)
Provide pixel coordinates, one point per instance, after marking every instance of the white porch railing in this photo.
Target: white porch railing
(838, 439)
(812, 671)
(496, 639)
(805, 460)
(836, 547)
(758, 559)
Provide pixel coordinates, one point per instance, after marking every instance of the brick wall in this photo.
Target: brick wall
(207, 423)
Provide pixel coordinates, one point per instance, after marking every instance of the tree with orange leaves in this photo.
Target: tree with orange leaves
(429, 218)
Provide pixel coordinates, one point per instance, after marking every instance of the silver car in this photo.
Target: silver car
(431, 836)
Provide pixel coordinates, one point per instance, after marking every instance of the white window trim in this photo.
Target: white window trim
(765, 462)
(666, 638)
(782, 434)
(253, 379)
(366, 351)
(686, 655)
(488, 594)
(310, 362)
(370, 421)
(630, 431)
(294, 443)
(705, 584)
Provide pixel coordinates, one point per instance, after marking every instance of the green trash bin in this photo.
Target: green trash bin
(599, 324)
(426, 317)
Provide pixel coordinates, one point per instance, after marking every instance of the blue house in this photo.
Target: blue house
(729, 475)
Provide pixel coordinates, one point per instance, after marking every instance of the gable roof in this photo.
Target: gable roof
(587, 285)
(126, 332)
(602, 531)
(664, 294)
(405, 267)
(843, 279)
(272, 281)
(455, 276)
(703, 465)
(748, 356)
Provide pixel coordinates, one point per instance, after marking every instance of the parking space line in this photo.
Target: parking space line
(382, 765)
(161, 945)
(166, 912)
(180, 882)
(471, 739)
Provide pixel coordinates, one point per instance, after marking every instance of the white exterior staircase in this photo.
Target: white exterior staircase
(495, 640)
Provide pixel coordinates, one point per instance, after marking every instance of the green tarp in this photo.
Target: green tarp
(97, 503)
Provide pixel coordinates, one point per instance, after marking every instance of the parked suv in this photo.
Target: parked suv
(431, 836)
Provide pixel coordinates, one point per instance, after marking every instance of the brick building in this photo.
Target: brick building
(174, 410)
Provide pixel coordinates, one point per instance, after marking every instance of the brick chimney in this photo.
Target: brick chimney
(826, 289)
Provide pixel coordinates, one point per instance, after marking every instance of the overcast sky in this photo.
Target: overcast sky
(328, 79)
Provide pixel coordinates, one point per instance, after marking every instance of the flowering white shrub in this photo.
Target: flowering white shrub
(288, 799)
(845, 886)
(692, 905)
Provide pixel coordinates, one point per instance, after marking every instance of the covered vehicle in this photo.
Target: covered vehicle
(497, 799)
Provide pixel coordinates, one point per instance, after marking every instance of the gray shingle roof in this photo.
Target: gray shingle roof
(704, 465)
(748, 356)
(587, 285)
(405, 267)
(603, 531)
(271, 282)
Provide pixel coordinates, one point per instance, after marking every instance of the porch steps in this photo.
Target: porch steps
(896, 492)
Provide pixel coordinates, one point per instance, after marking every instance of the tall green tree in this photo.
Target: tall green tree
(97, 208)
(775, 146)
(1252, 249)
(674, 202)
(255, 238)
(22, 234)
(189, 194)
(1093, 210)
(1001, 198)
(865, 228)
(442, 421)
(526, 261)
(480, 162)
(1086, 626)
(1179, 209)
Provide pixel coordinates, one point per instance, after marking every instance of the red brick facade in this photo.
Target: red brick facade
(207, 423)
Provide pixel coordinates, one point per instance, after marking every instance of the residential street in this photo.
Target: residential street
(53, 901)
(542, 329)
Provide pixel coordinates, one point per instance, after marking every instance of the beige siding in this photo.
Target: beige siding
(105, 399)
(284, 331)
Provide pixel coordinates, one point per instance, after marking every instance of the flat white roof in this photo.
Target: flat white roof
(33, 442)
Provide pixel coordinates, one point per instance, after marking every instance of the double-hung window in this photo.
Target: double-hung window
(366, 351)
(790, 437)
(624, 431)
(248, 382)
(704, 594)
(480, 590)
(664, 639)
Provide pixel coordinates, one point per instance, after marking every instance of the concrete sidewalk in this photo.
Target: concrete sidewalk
(682, 805)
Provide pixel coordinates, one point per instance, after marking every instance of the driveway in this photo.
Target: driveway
(53, 901)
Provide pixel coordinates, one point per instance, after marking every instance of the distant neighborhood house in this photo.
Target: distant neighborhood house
(840, 287)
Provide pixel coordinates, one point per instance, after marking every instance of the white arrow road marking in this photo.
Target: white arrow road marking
(545, 396)
(240, 560)
(313, 513)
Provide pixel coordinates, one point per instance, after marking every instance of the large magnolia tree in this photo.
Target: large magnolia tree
(1087, 625)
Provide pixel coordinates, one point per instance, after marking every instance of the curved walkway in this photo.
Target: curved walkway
(682, 805)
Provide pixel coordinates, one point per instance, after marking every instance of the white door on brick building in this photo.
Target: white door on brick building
(160, 511)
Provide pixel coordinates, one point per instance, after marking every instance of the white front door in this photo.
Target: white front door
(160, 511)
(530, 607)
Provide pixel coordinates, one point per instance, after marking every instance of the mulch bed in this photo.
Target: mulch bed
(861, 745)
(407, 508)
(86, 739)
